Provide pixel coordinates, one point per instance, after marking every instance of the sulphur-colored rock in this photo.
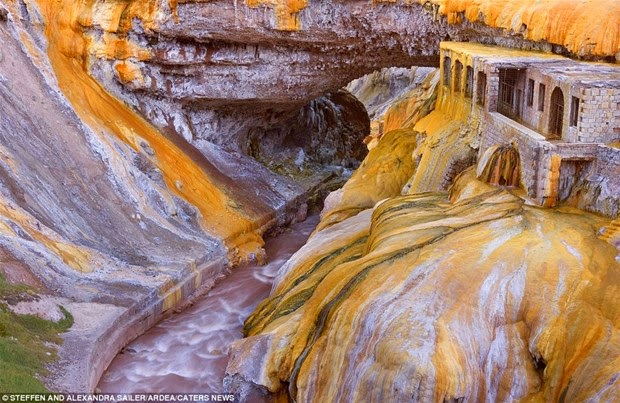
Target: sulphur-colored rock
(395, 98)
(125, 189)
(382, 174)
(585, 28)
(483, 299)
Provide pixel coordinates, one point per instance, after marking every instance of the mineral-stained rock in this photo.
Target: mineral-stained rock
(125, 214)
(595, 194)
(413, 105)
(446, 146)
(384, 91)
(381, 175)
(213, 71)
(481, 299)
(103, 211)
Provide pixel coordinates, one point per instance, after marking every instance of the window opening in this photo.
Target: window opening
(541, 97)
(530, 92)
(447, 69)
(458, 73)
(469, 83)
(574, 111)
(481, 88)
(556, 113)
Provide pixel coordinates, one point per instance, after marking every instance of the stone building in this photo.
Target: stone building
(562, 115)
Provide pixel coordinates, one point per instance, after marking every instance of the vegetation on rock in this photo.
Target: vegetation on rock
(27, 342)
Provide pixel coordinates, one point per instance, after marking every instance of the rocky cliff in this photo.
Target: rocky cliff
(127, 181)
(212, 71)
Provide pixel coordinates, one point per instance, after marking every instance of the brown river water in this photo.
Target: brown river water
(188, 352)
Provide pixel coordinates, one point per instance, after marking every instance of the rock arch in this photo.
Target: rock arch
(259, 61)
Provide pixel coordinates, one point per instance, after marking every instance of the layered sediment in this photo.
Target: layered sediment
(213, 80)
(127, 184)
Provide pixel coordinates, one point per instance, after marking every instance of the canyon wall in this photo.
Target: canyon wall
(212, 71)
(127, 182)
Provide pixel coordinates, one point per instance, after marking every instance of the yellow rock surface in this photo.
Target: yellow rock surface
(611, 233)
(286, 11)
(128, 71)
(406, 112)
(74, 256)
(395, 99)
(68, 52)
(446, 143)
(382, 174)
(484, 298)
(584, 27)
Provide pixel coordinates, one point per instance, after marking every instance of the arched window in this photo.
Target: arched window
(556, 113)
(447, 70)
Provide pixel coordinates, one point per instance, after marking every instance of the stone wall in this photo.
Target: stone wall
(538, 171)
(611, 167)
(597, 188)
(600, 115)
(498, 129)
(539, 119)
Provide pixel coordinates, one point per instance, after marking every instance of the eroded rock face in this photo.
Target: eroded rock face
(327, 131)
(214, 79)
(482, 298)
(382, 174)
(125, 214)
(116, 221)
(395, 98)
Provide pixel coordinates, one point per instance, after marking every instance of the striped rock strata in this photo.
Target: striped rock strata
(212, 71)
(125, 214)
(429, 298)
